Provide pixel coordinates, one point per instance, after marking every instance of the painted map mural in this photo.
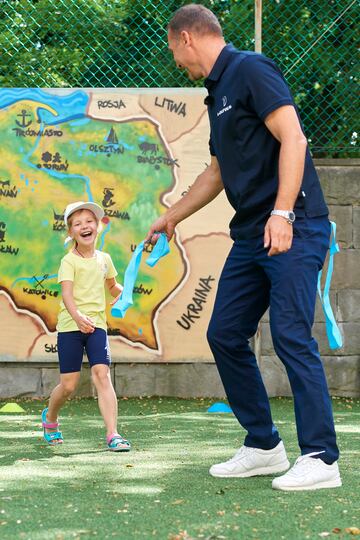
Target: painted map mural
(135, 153)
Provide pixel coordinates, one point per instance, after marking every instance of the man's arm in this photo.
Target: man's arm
(284, 125)
(205, 188)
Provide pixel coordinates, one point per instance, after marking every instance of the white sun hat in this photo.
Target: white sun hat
(81, 205)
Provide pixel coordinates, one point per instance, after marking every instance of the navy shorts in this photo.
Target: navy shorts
(71, 346)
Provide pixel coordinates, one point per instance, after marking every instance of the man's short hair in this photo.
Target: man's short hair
(196, 18)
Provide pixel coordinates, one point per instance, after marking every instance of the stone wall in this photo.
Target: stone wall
(341, 183)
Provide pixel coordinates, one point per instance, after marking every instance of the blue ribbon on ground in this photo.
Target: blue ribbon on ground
(160, 249)
(332, 329)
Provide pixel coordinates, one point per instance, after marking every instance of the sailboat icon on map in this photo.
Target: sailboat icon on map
(112, 137)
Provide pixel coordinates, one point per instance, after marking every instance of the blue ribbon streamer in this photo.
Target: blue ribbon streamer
(160, 249)
(332, 329)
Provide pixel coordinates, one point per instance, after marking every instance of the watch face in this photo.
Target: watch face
(291, 217)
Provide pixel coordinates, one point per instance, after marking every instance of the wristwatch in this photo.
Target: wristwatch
(287, 214)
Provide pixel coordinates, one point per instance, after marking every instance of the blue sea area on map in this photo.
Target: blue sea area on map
(66, 107)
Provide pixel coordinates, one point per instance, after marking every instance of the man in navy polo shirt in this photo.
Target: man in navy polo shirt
(259, 155)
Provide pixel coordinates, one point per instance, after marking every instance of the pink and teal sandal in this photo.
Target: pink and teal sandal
(117, 443)
(55, 437)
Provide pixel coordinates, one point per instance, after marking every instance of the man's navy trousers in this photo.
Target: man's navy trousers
(250, 282)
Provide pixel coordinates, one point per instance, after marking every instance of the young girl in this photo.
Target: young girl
(83, 273)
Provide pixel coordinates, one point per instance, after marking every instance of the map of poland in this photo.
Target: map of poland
(135, 153)
(54, 155)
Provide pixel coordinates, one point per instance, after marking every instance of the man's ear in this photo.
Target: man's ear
(185, 38)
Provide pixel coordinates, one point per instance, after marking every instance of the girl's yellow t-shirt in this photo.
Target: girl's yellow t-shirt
(88, 276)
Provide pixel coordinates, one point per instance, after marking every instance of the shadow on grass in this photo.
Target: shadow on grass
(162, 487)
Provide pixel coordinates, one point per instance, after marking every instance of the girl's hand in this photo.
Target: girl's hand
(115, 289)
(85, 324)
(115, 299)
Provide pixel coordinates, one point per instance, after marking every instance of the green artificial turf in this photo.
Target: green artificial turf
(162, 489)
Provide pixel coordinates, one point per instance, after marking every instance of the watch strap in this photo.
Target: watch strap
(285, 214)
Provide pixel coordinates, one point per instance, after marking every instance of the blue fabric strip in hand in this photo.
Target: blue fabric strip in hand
(332, 329)
(160, 249)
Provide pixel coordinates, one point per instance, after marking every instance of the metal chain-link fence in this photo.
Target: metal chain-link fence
(122, 43)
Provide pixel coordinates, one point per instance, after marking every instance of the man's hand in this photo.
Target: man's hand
(162, 224)
(278, 235)
(84, 323)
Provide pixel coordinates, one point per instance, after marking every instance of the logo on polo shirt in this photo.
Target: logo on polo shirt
(225, 108)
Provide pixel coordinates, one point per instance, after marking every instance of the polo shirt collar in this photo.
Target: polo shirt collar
(220, 64)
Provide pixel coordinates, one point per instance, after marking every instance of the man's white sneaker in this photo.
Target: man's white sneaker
(253, 462)
(309, 473)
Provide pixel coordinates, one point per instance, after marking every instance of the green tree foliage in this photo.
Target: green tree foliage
(314, 43)
(122, 43)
